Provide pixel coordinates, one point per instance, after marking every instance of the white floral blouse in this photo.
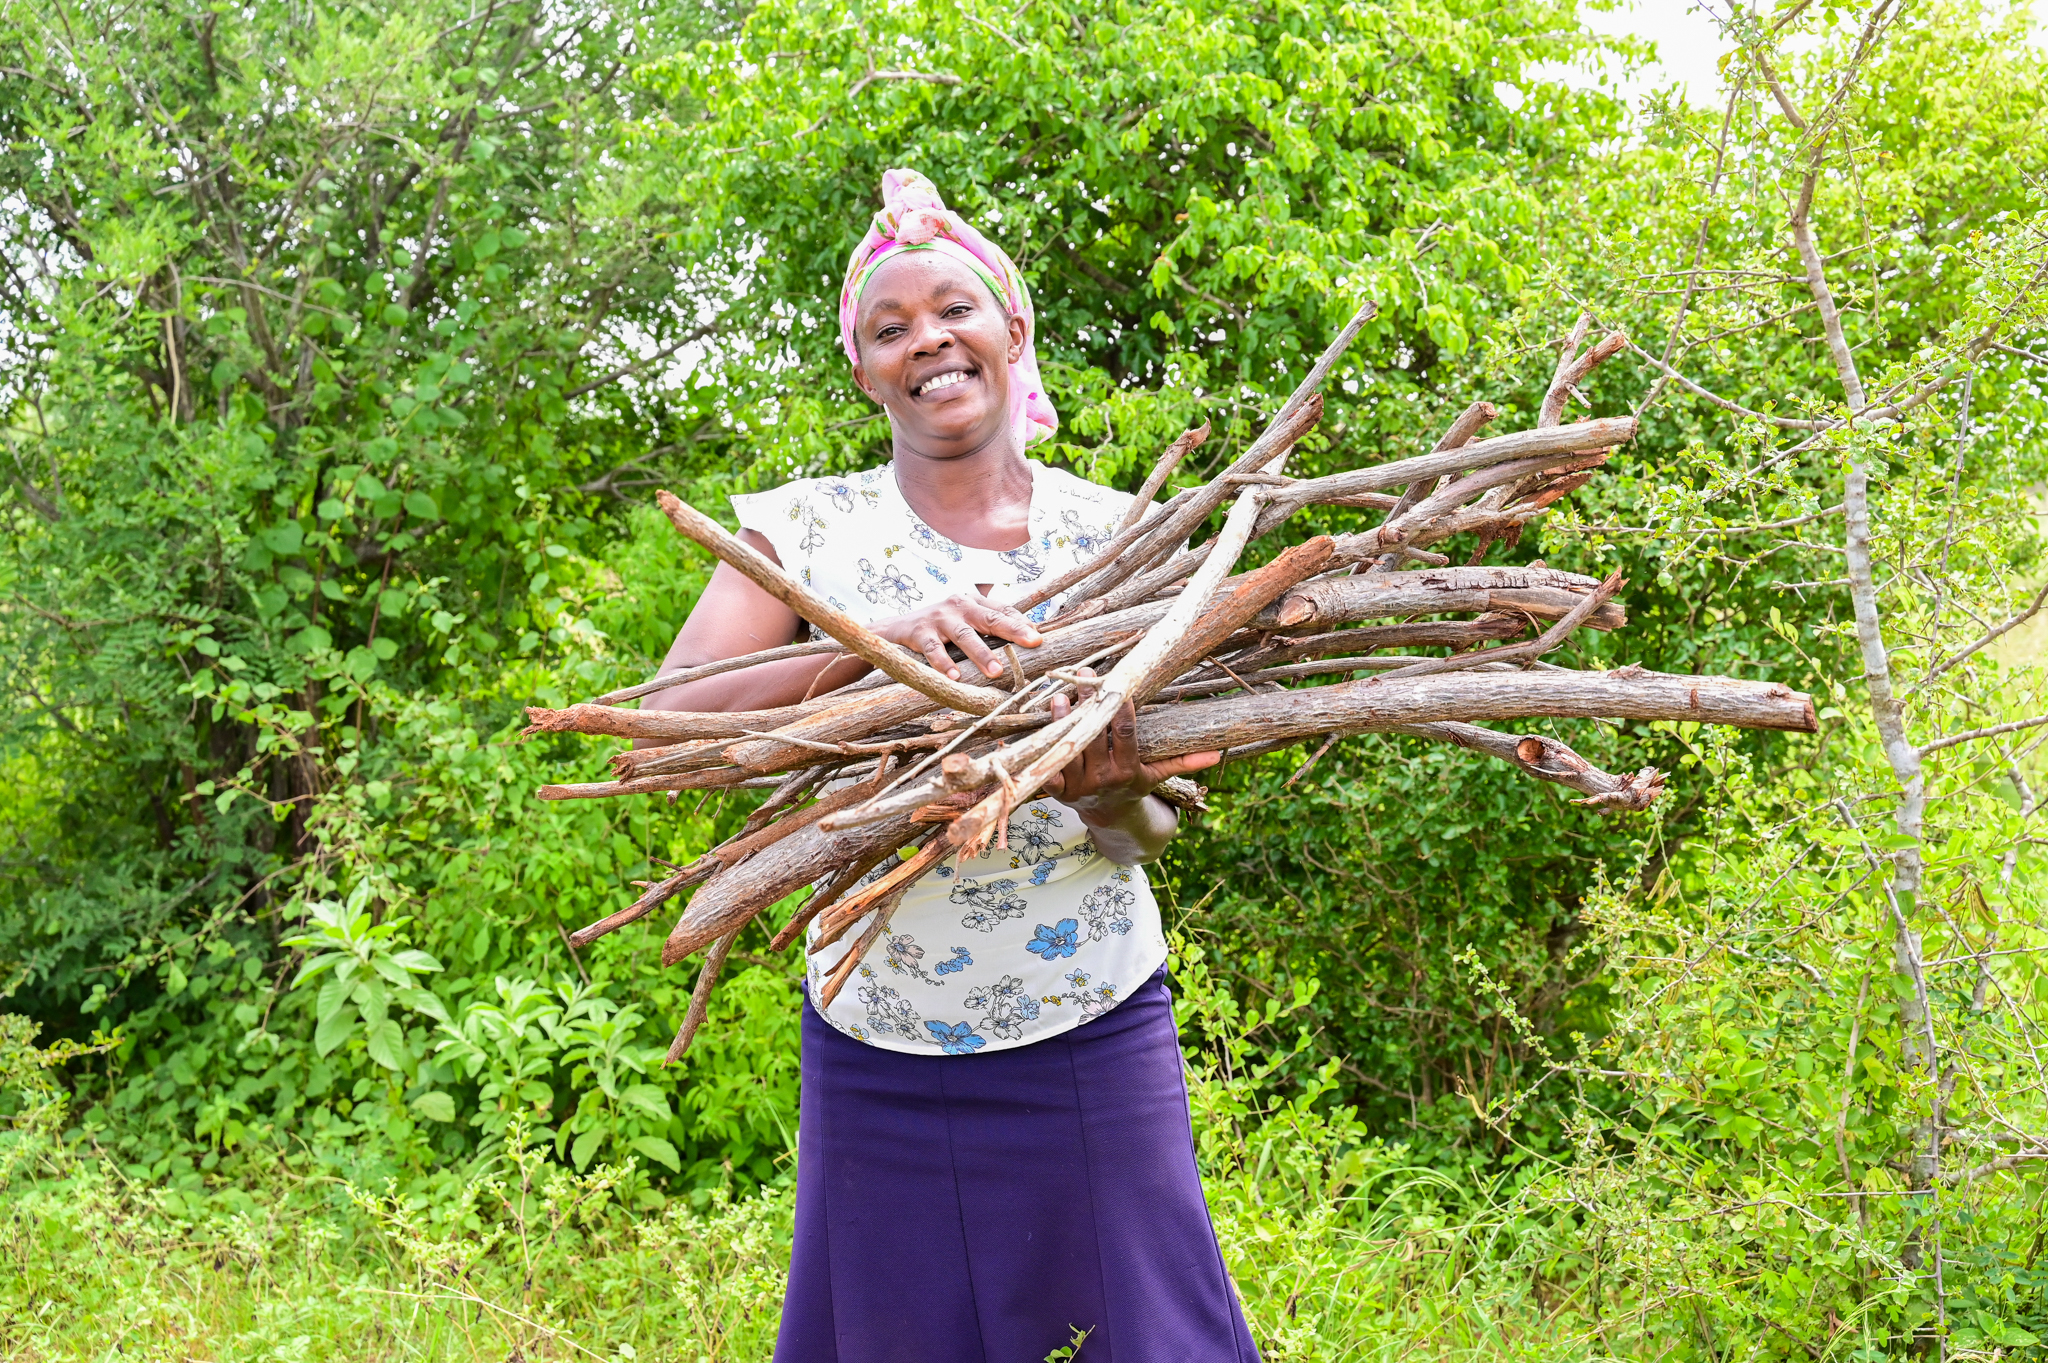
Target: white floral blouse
(1023, 943)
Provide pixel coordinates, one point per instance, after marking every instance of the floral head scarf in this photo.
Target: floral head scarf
(914, 218)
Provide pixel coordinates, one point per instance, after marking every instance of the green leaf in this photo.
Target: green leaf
(387, 1044)
(284, 539)
(415, 960)
(435, 1107)
(655, 1148)
(586, 1146)
(332, 998)
(374, 999)
(422, 1001)
(648, 1099)
(421, 505)
(334, 1030)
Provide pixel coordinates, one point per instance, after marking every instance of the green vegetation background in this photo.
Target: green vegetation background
(346, 344)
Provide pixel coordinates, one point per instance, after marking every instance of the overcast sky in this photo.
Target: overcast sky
(1688, 43)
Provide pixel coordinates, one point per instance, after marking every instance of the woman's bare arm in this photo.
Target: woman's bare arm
(735, 617)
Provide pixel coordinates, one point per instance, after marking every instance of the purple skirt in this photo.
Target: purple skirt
(981, 1209)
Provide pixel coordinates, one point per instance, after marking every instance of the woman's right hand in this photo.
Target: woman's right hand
(962, 620)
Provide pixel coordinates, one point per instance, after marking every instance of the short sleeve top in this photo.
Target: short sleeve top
(1026, 941)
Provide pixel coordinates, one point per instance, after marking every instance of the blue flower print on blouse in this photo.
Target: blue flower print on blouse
(988, 905)
(934, 541)
(1051, 943)
(889, 587)
(1031, 839)
(933, 569)
(961, 960)
(1006, 1007)
(1024, 561)
(1040, 872)
(958, 1039)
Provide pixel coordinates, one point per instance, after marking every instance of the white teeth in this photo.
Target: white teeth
(942, 381)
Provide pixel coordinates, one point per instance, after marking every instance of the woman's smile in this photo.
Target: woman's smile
(944, 380)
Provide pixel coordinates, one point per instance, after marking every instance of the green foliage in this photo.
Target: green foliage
(343, 343)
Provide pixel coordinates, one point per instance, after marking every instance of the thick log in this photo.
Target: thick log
(1332, 601)
(734, 896)
(1378, 704)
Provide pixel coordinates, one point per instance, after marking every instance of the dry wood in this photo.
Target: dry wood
(1544, 643)
(1167, 531)
(1186, 628)
(644, 785)
(1376, 703)
(843, 915)
(1138, 674)
(1549, 760)
(899, 663)
(735, 895)
(827, 895)
(1517, 447)
(1252, 593)
(683, 676)
(700, 998)
(1161, 471)
(653, 897)
(1332, 601)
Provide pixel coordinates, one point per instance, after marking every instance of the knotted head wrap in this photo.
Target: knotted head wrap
(914, 218)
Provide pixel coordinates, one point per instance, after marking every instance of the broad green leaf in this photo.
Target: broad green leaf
(655, 1148)
(334, 1029)
(435, 1106)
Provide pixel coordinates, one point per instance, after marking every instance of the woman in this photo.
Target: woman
(993, 1147)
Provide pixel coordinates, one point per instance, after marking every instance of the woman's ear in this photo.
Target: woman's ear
(860, 377)
(1020, 335)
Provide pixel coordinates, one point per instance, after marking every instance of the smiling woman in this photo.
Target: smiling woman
(938, 1092)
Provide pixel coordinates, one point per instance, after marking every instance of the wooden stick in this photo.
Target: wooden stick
(1161, 471)
(806, 856)
(700, 998)
(655, 895)
(850, 962)
(1549, 760)
(1552, 444)
(1166, 532)
(1253, 593)
(898, 663)
(648, 785)
(1377, 704)
(842, 880)
(1535, 648)
(724, 665)
(1332, 601)
(852, 909)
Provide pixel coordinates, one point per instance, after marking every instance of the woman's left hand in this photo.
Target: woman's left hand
(1107, 785)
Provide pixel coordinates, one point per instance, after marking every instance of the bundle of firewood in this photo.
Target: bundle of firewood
(1214, 660)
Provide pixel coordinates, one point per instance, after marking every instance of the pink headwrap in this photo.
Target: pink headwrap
(914, 218)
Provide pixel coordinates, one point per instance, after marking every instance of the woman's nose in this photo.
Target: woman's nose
(930, 335)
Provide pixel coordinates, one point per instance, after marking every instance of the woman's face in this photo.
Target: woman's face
(935, 350)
